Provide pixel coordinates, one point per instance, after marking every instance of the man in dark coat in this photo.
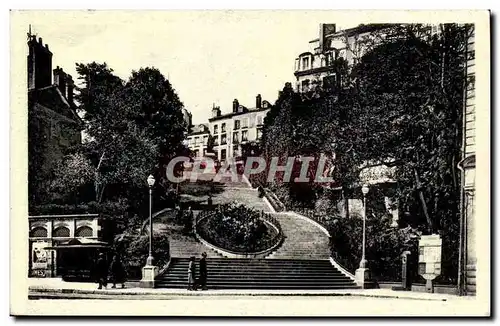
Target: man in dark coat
(203, 271)
(102, 271)
(117, 272)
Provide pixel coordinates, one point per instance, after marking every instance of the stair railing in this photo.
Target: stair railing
(272, 244)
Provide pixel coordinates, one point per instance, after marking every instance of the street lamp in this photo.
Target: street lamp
(151, 183)
(365, 189)
(149, 272)
(363, 276)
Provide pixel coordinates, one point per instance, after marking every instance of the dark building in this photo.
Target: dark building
(53, 123)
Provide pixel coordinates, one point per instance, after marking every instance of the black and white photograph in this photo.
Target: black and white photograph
(202, 157)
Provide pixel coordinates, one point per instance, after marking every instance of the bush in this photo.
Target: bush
(384, 245)
(238, 228)
(134, 250)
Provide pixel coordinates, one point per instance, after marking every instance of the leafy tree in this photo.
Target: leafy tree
(400, 103)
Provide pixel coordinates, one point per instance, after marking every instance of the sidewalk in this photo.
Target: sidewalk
(45, 288)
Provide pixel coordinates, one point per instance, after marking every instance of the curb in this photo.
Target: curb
(40, 293)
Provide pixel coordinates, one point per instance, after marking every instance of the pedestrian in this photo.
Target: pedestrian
(191, 274)
(102, 271)
(188, 221)
(117, 272)
(203, 271)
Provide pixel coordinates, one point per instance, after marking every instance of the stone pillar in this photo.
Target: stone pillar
(149, 273)
(470, 243)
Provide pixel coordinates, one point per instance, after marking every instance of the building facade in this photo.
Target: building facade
(319, 65)
(51, 236)
(197, 140)
(53, 124)
(241, 126)
(316, 66)
(468, 254)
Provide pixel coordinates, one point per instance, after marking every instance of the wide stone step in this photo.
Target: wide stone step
(248, 286)
(259, 274)
(255, 261)
(259, 270)
(236, 265)
(259, 281)
(267, 271)
(183, 278)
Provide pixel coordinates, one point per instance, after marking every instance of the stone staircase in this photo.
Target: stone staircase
(302, 261)
(304, 240)
(187, 246)
(272, 274)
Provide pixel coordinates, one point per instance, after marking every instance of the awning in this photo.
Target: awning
(80, 243)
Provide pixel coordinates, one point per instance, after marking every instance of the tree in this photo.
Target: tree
(157, 109)
(410, 100)
(400, 103)
(134, 127)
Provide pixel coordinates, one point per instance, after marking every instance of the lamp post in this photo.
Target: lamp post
(151, 183)
(363, 273)
(149, 272)
(365, 189)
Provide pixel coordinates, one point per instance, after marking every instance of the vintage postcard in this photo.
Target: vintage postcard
(250, 163)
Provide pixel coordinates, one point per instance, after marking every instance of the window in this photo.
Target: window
(244, 135)
(329, 82)
(305, 63)
(305, 85)
(236, 124)
(216, 140)
(223, 127)
(223, 139)
(222, 154)
(61, 232)
(205, 140)
(235, 151)
(259, 133)
(39, 232)
(84, 232)
(236, 138)
(259, 120)
(244, 123)
(216, 129)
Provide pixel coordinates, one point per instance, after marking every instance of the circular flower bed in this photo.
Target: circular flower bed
(239, 229)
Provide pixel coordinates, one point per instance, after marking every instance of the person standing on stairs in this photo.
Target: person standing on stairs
(191, 274)
(203, 271)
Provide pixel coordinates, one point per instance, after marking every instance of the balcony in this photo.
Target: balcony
(312, 71)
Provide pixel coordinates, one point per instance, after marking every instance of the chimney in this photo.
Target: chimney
(215, 111)
(324, 30)
(235, 105)
(60, 80)
(39, 63)
(258, 101)
(70, 87)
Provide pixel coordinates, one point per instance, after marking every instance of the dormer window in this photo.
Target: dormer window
(305, 63)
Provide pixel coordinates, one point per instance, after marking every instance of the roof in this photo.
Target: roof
(51, 98)
(199, 129)
(360, 29)
(62, 216)
(233, 114)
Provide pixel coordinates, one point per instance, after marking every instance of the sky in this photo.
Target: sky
(210, 57)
